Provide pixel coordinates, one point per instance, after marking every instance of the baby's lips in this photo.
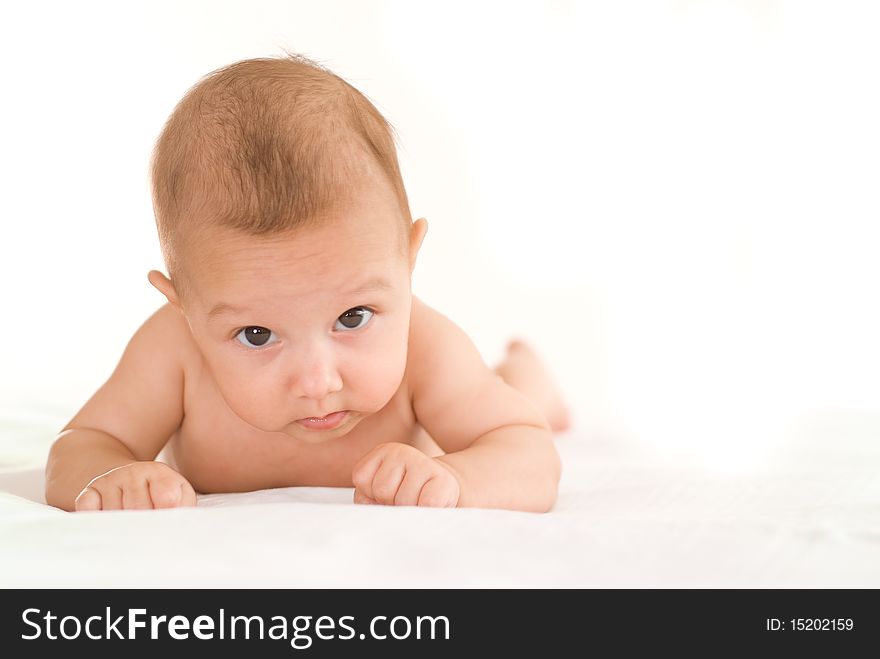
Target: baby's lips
(329, 422)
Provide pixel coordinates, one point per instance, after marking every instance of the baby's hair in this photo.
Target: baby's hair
(266, 146)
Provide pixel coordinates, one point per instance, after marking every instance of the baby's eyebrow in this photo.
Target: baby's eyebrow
(222, 308)
(374, 284)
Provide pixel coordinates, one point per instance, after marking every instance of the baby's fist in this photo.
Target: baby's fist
(138, 485)
(398, 474)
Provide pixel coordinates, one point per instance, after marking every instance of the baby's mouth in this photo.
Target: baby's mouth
(328, 422)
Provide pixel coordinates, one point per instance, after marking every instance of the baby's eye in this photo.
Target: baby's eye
(353, 318)
(254, 337)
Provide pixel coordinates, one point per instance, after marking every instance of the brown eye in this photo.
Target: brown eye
(354, 318)
(253, 336)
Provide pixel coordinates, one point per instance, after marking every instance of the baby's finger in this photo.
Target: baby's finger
(362, 478)
(165, 493)
(135, 496)
(111, 496)
(410, 488)
(363, 471)
(387, 480)
(360, 497)
(189, 497)
(436, 494)
(88, 499)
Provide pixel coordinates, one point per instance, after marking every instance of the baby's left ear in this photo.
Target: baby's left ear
(416, 236)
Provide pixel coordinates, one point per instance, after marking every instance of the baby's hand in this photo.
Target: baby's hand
(397, 474)
(139, 485)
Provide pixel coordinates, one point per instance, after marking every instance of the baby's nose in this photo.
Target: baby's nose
(318, 388)
(316, 377)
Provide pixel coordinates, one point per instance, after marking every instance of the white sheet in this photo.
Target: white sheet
(623, 519)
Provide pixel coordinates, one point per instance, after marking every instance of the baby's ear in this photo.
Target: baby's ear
(417, 235)
(164, 286)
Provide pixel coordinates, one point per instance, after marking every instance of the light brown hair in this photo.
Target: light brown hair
(266, 146)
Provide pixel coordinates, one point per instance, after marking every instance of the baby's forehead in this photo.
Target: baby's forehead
(351, 235)
(241, 286)
(357, 229)
(334, 257)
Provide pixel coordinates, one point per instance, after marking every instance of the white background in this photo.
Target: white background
(676, 202)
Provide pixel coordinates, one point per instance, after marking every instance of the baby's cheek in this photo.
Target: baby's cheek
(375, 380)
(255, 402)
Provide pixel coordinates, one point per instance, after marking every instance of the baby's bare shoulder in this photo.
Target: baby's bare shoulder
(167, 321)
(429, 330)
(422, 315)
(167, 329)
(141, 403)
(456, 397)
(433, 339)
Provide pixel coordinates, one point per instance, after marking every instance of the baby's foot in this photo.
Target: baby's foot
(524, 370)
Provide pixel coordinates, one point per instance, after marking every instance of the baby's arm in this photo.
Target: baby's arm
(103, 458)
(499, 448)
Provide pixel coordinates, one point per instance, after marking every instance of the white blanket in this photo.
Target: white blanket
(624, 518)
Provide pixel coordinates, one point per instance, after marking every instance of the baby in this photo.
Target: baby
(291, 350)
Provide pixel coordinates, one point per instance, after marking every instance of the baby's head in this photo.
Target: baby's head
(287, 235)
